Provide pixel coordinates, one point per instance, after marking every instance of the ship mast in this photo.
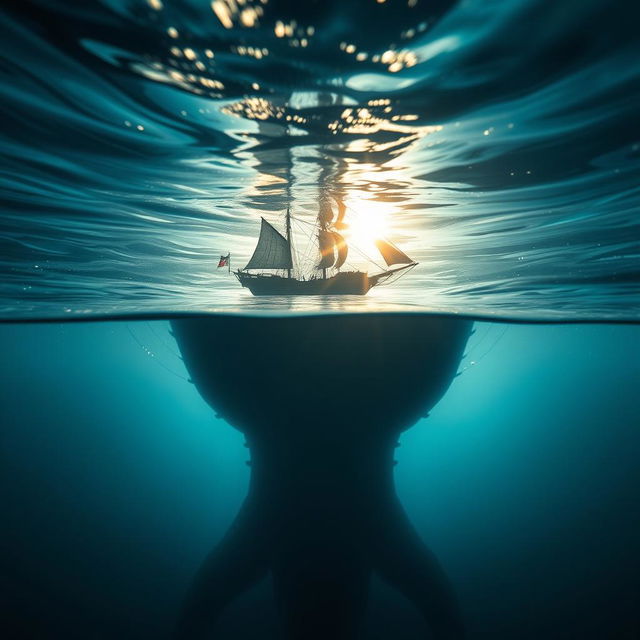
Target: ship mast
(289, 237)
(324, 239)
(324, 269)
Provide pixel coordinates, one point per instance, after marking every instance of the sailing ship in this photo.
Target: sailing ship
(275, 270)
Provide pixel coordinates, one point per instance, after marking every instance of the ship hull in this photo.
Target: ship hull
(346, 283)
(329, 397)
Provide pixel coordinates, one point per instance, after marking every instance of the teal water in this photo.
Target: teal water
(117, 479)
(495, 142)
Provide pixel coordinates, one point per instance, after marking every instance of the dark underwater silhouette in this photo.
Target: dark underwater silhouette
(322, 402)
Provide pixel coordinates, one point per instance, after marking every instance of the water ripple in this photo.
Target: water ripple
(498, 142)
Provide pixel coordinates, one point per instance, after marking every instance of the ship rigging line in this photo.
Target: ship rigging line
(384, 281)
(362, 253)
(153, 355)
(306, 257)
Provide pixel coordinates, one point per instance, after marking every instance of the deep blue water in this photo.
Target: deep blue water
(117, 479)
(496, 141)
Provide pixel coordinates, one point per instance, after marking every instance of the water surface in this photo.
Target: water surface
(496, 142)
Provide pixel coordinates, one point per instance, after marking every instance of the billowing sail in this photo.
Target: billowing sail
(392, 255)
(342, 211)
(330, 242)
(272, 251)
(342, 248)
(326, 245)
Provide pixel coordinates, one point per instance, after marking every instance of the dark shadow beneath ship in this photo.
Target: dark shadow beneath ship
(322, 401)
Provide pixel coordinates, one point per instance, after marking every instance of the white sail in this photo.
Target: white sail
(343, 249)
(392, 255)
(333, 249)
(326, 246)
(273, 250)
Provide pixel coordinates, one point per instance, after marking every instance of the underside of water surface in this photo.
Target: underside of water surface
(496, 142)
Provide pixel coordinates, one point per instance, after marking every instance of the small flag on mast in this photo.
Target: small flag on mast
(225, 261)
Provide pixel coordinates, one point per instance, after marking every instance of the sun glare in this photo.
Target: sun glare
(367, 221)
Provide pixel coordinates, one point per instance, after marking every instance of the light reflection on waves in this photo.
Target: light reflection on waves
(512, 179)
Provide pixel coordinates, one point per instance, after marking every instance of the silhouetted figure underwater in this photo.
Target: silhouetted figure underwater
(322, 401)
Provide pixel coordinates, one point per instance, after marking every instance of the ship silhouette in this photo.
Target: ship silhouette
(276, 268)
(321, 515)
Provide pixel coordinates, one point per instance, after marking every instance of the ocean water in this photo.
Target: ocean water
(497, 142)
(117, 479)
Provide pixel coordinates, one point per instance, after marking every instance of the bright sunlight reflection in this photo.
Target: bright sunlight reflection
(367, 221)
